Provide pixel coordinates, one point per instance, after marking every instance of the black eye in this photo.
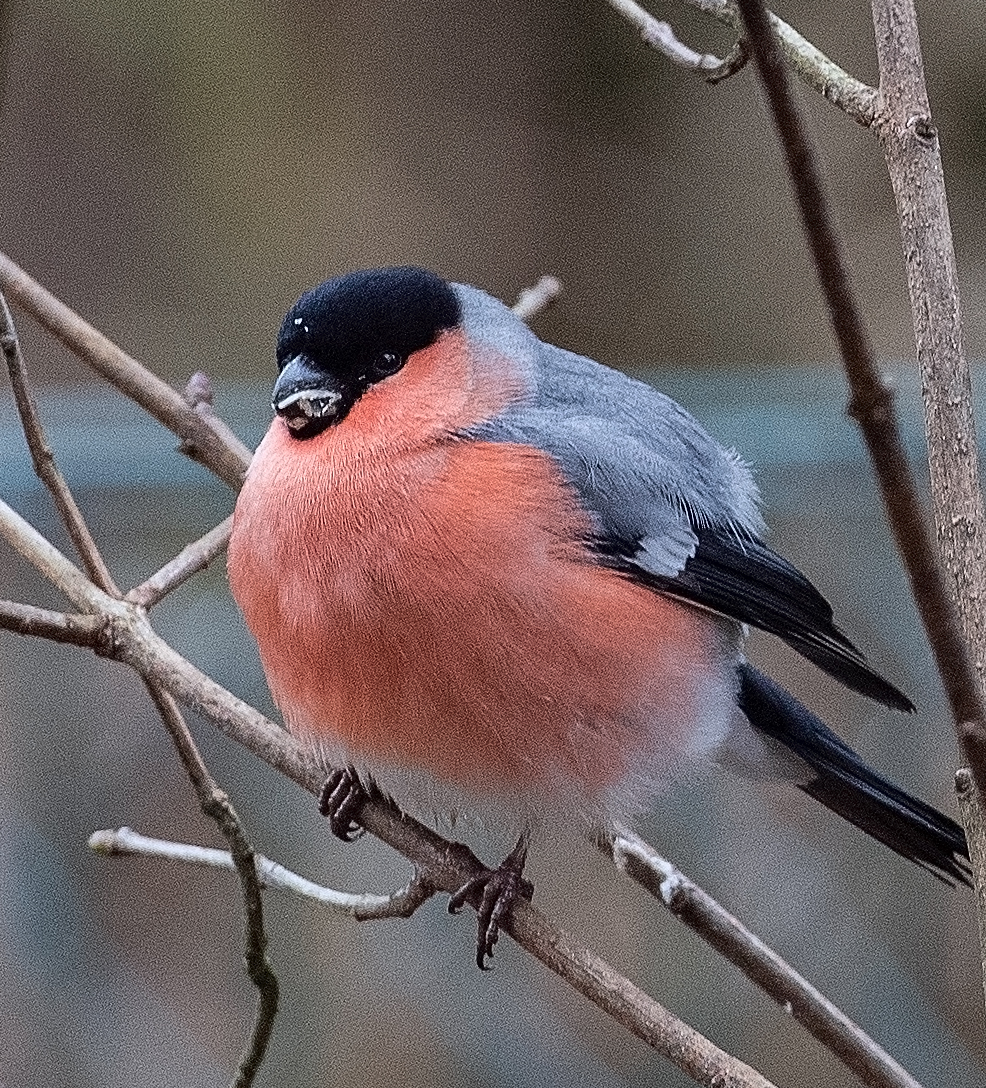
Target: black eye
(386, 363)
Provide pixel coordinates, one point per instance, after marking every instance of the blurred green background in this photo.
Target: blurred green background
(179, 173)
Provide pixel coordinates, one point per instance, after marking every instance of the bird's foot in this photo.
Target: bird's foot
(340, 798)
(493, 893)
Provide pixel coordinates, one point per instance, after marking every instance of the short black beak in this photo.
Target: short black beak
(306, 398)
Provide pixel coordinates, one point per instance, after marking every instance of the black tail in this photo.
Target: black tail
(843, 782)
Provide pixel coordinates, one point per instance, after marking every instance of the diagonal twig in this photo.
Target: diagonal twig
(218, 807)
(536, 299)
(191, 559)
(700, 912)
(227, 457)
(660, 35)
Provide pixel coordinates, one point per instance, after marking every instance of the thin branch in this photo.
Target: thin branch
(535, 300)
(226, 457)
(199, 397)
(715, 925)
(362, 907)
(218, 807)
(26, 619)
(855, 98)
(399, 904)
(734, 61)
(116, 618)
(44, 460)
(872, 400)
(628, 1004)
(659, 35)
(190, 560)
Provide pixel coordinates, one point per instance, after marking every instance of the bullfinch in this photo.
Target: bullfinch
(490, 575)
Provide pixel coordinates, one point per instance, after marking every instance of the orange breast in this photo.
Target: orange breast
(436, 609)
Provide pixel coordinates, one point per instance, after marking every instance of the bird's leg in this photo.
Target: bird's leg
(342, 794)
(496, 890)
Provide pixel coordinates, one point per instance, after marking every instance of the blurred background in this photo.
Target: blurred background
(179, 173)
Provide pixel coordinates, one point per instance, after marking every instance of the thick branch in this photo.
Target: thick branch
(26, 619)
(910, 144)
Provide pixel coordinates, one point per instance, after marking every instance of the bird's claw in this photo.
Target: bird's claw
(340, 798)
(497, 890)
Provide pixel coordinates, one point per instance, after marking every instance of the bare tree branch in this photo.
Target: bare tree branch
(910, 145)
(48, 560)
(660, 36)
(190, 560)
(26, 619)
(227, 458)
(535, 300)
(199, 397)
(361, 906)
(971, 809)
(700, 912)
(218, 807)
(856, 99)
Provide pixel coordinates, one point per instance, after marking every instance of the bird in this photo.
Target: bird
(487, 574)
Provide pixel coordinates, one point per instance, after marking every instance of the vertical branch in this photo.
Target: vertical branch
(910, 145)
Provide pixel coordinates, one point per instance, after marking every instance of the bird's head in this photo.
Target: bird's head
(348, 334)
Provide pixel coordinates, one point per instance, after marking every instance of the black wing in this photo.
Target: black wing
(745, 580)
